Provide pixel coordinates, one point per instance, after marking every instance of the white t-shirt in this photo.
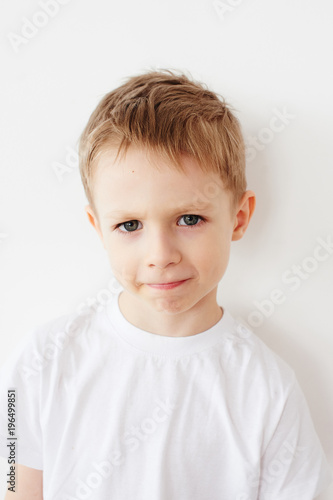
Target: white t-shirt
(109, 411)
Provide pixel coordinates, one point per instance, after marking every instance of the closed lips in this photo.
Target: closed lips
(167, 283)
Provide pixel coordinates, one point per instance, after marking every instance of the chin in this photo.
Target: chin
(170, 305)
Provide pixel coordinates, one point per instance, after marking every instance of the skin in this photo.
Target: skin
(29, 484)
(166, 242)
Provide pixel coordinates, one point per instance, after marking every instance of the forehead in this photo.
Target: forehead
(144, 177)
(140, 162)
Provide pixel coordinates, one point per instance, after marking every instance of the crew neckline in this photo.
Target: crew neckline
(161, 345)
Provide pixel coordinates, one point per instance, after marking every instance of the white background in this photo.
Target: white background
(262, 56)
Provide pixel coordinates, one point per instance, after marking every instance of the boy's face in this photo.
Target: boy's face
(163, 226)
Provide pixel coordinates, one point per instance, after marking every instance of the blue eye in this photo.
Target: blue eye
(191, 220)
(131, 226)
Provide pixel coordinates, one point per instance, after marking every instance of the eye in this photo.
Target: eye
(191, 220)
(129, 226)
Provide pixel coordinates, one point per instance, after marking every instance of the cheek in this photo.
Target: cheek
(212, 252)
(122, 261)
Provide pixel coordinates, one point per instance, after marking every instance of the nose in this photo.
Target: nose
(162, 249)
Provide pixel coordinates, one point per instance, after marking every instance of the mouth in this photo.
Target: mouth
(166, 286)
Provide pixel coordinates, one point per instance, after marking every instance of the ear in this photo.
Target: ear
(93, 219)
(243, 215)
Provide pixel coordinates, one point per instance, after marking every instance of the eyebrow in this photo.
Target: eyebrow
(189, 208)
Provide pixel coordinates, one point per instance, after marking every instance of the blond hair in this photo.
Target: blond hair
(172, 115)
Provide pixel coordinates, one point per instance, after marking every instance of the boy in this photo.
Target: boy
(161, 395)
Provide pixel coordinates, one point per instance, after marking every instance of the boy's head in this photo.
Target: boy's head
(163, 167)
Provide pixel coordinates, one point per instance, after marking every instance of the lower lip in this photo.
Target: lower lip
(167, 286)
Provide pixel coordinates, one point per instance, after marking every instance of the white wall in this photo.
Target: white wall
(264, 57)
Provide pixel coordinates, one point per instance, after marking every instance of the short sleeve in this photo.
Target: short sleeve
(294, 466)
(18, 374)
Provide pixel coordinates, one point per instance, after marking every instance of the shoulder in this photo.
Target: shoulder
(245, 345)
(46, 343)
(252, 363)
